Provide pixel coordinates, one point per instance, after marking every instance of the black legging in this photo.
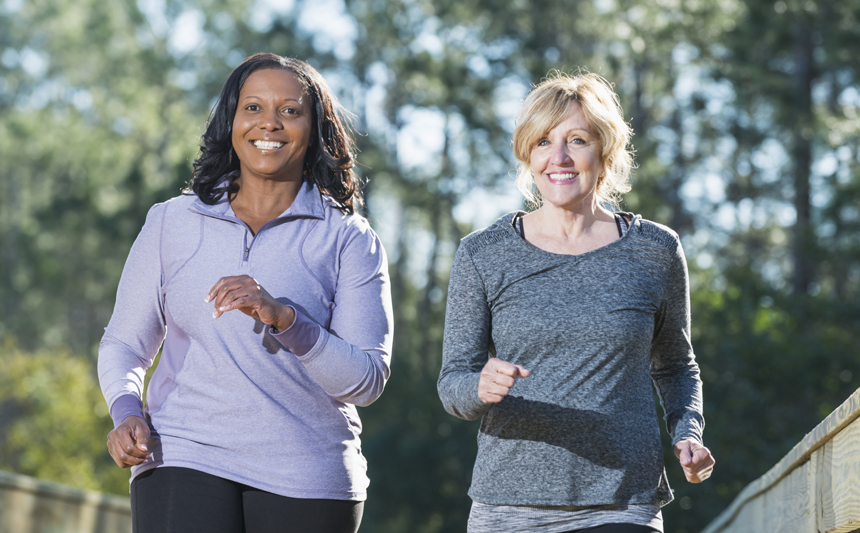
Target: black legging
(181, 500)
(617, 528)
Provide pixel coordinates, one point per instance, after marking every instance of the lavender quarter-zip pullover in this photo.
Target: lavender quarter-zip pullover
(230, 397)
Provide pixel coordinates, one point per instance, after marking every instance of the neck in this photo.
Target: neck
(265, 198)
(569, 224)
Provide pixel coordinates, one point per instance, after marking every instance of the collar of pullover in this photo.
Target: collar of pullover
(308, 203)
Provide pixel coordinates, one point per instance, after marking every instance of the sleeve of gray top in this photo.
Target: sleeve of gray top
(466, 340)
(673, 365)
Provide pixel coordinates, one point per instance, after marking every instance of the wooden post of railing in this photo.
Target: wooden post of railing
(813, 489)
(29, 505)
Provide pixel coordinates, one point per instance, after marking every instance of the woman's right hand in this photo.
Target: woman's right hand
(127, 443)
(497, 378)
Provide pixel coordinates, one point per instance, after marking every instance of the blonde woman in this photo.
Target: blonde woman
(558, 321)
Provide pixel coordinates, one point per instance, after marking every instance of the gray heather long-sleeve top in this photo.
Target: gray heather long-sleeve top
(594, 330)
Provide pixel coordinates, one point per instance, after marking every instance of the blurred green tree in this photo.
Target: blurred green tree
(53, 420)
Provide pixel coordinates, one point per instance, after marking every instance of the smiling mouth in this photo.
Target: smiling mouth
(267, 145)
(570, 176)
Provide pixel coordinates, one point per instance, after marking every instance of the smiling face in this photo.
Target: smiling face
(272, 126)
(566, 162)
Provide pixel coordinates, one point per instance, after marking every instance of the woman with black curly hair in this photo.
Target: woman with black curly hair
(269, 298)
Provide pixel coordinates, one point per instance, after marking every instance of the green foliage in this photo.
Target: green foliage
(53, 420)
(773, 366)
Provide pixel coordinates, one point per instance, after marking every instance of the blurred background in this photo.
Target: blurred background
(747, 122)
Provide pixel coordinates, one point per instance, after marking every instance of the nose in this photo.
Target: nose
(270, 120)
(560, 155)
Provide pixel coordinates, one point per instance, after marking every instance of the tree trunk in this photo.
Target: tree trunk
(802, 148)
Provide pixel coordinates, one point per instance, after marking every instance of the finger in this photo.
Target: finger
(491, 392)
(489, 397)
(702, 454)
(698, 477)
(238, 302)
(218, 285)
(684, 451)
(496, 388)
(702, 461)
(141, 438)
(125, 456)
(523, 372)
(133, 451)
(113, 455)
(228, 296)
(495, 384)
(227, 284)
(502, 367)
(501, 380)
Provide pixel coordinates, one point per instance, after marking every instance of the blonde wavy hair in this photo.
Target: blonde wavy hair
(549, 103)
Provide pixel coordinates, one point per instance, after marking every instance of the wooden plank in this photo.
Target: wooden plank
(812, 477)
(789, 504)
(844, 415)
(840, 504)
(824, 493)
(750, 518)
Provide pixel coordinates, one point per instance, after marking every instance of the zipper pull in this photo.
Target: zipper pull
(246, 253)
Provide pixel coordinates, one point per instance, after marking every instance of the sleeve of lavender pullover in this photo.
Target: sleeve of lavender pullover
(466, 341)
(136, 329)
(351, 360)
(673, 365)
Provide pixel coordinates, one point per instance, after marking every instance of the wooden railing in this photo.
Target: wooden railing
(29, 505)
(813, 489)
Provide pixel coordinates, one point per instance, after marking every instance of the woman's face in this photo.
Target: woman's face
(272, 127)
(566, 162)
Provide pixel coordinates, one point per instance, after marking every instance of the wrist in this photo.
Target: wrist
(285, 319)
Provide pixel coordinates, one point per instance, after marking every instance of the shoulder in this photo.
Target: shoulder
(173, 225)
(490, 238)
(347, 229)
(173, 206)
(349, 223)
(157, 213)
(657, 234)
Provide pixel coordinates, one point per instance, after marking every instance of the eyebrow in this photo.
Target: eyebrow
(285, 99)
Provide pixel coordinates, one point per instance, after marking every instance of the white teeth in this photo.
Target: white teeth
(268, 145)
(563, 177)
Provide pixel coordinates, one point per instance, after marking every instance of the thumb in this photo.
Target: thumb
(524, 373)
(141, 436)
(686, 456)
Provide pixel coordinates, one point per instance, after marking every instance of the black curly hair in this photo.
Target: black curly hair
(329, 161)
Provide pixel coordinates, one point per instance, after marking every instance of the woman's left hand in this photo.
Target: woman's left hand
(696, 460)
(246, 295)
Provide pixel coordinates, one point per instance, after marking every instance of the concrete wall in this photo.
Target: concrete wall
(29, 505)
(813, 489)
